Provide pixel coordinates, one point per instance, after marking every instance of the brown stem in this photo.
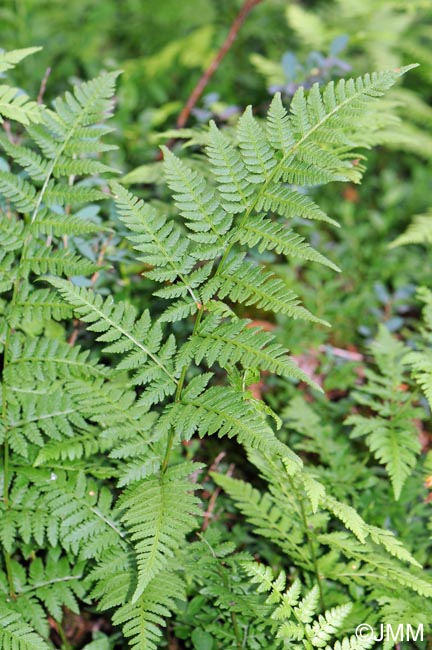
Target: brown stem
(43, 86)
(208, 515)
(246, 8)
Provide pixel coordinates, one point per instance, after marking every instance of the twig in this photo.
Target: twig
(208, 515)
(43, 86)
(245, 10)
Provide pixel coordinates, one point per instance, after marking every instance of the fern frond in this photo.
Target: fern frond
(281, 525)
(83, 514)
(321, 631)
(15, 634)
(46, 359)
(160, 240)
(228, 343)
(256, 153)
(234, 185)
(250, 284)
(52, 223)
(197, 202)
(20, 192)
(41, 259)
(391, 433)
(38, 305)
(271, 235)
(289, 204)
(55, 583)
(37, 415)
(125, 334)
(389, 573)
(295, 617)
(9, 60)
(159, 512)
(418, 232)
(420, 359)
(60, 195)
(221, 410)
(34, 164)
(16, 105)
(143, 620)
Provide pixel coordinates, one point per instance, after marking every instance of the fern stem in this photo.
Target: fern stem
(234, 621)
(177, 397)
(65, 643)
(6, 469)
(9, 574)
(309, 540)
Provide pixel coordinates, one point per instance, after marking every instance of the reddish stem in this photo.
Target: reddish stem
(246, 8)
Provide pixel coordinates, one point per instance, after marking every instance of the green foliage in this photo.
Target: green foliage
(418, 232)
(99, 435)
(390, 433)
(368, 34)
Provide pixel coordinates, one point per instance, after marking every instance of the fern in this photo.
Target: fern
(97, 492)
(158, 520)
(418, 232)
(14, 104)
(15, 633)
(391, 434)
(295, 623)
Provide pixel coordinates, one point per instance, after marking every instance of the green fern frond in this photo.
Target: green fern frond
(256, 153)
(143, 620)
(20, 192)
(282, 526)
(37, 305)
(15, 634)
(158, 239)
(234, 185)
(56, 194)
(389, 573)
(196, 201)
(295, 618)
(159, 513)
(349, 516)
(46, 359)
(34, 164)
(36, 416)
(390, 434)
(15, 105)
(42, 259)
(241, 281)
(228, 343)
(83, 514)
(221, 410)
(420, 360)
(125, 333)
(352, 643)
(59, 225)
(418, 232)
(55, 583)
(289, 204)
(9, 60)
(271, 235)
